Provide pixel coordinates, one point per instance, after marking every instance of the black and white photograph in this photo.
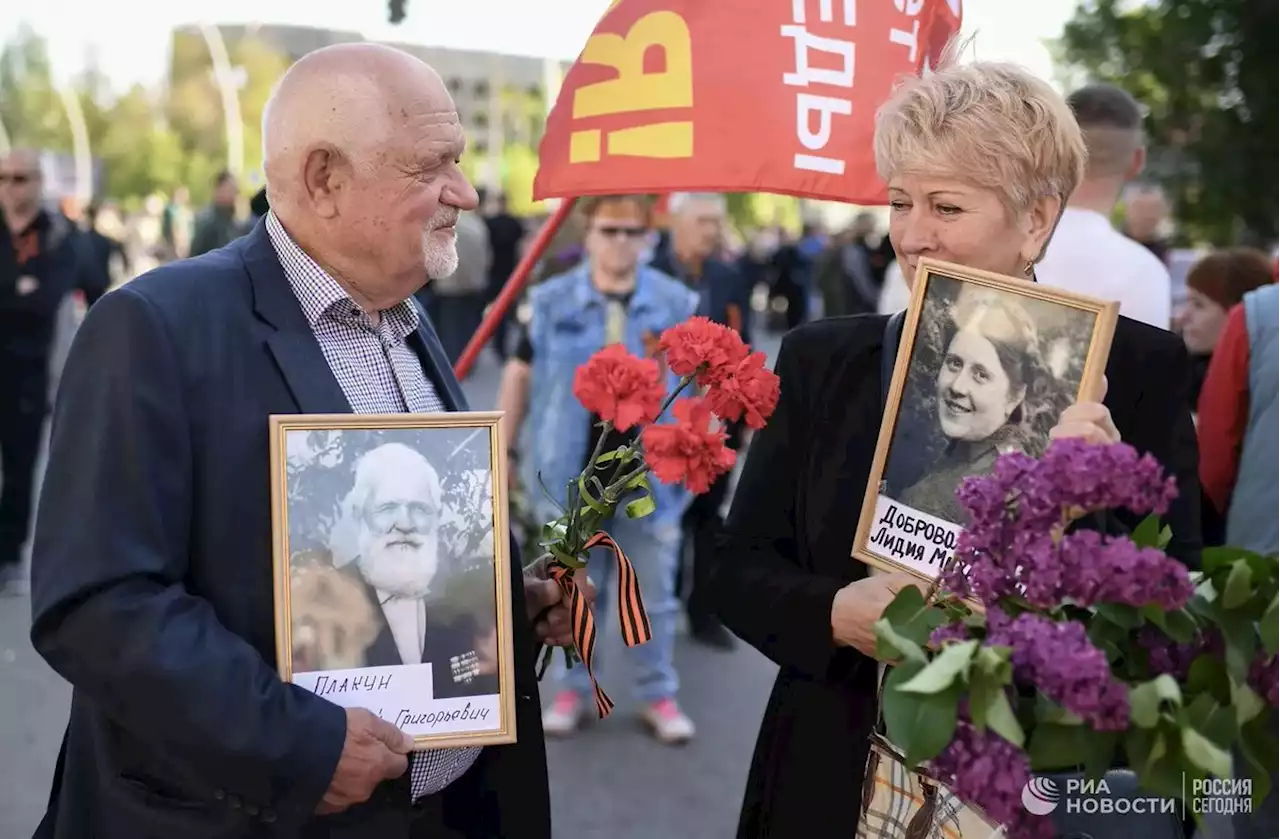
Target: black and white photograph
(388, 569)
(986, 366)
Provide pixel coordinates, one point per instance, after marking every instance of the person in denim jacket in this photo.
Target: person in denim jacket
(609, 298)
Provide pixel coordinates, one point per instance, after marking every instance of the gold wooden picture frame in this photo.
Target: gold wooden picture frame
(392, 569)
(985, 365)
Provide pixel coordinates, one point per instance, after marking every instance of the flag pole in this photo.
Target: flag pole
(514, 286)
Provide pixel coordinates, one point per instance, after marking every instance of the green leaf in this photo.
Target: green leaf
(1166, 536)
(1126, 617)
(1164, 775)
(944, 670)
(1204, 753)
(585, 494)
(1208, 675)
(990, 708)
(1258, 745)
(911, 617)
(921, 724)
(1248, 704)
(1215, 558)
(1214, 720)
(1146, 699)
(641, 507)
(890, 646)
(1065, 747)
(1147, 533)
(638, 481)
(1239, 586)
(1270, 627)
(994, 662)
(1241, 642)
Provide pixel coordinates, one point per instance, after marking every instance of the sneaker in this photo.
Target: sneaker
(667, 722)
(564, 714)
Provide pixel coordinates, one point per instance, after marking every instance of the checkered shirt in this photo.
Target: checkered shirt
(379, 374)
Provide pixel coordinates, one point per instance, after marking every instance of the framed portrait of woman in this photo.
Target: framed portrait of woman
(391, 569)
(985, 366)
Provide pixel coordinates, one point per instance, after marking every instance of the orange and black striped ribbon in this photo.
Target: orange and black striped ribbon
(632, 618)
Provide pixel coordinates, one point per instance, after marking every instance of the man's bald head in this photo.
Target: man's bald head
(349, 96)
(360, 147)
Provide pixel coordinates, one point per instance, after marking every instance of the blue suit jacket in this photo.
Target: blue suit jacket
(152, 582)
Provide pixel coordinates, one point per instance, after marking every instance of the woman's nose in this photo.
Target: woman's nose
(918, 235)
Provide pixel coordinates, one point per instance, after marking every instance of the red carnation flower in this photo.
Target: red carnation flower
(745, 389)
(701, 347)
(691, 451)
(620, 388)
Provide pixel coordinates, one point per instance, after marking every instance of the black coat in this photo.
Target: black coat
(155, 598)
(786, 551)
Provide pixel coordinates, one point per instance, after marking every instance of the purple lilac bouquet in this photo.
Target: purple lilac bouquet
(1050, 648)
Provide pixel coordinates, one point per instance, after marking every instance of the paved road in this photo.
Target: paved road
(611, 780)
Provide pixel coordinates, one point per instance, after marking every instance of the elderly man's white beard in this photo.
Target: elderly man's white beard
(441, 258)
(402, 565)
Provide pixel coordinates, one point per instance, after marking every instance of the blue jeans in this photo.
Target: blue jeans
(654, 552)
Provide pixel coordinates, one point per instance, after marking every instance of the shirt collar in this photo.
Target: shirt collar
(319, 293)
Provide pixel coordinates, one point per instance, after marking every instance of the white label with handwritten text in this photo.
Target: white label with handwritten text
(403, 695)
(907, 536)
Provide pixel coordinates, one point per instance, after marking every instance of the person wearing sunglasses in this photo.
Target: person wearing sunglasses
(43, 259)
(611, 297)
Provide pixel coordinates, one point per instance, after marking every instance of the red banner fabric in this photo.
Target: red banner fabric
(744, 96)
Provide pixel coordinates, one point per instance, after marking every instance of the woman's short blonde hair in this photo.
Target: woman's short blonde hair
(994, 125)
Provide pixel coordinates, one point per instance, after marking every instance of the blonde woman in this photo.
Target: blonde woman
(979, 160)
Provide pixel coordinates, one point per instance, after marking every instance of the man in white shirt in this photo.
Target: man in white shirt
(1088, 255)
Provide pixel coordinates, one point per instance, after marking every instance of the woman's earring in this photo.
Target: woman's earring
(1030, 267)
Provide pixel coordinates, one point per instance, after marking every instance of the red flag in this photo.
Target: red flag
(742, 96)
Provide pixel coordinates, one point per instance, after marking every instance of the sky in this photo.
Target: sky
(129, 37)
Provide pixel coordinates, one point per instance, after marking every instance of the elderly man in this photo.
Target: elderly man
(156, 604)
(389, 532)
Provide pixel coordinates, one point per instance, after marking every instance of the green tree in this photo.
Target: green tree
(194, 111)
(1206, 70)
(30, 108)
(140, 155)
(753, 210)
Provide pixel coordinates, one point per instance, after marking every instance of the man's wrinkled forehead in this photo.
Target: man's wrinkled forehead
(434, 131)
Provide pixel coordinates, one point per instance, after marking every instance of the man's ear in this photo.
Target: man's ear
(1138, 164)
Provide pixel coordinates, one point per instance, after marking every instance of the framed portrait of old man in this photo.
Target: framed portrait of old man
(985, 365)
(392, 583)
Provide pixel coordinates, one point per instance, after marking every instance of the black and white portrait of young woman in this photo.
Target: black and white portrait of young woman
(392, 568)
(990, 372)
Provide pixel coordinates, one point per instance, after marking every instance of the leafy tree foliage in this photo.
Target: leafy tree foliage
(1206, 69)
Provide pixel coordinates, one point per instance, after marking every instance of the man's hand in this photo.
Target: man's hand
(374, 752)
(549, 607)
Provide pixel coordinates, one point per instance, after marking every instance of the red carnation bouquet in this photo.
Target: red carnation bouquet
(730, 384)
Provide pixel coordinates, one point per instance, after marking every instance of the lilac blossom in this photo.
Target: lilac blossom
(1059, 660)
(1014, 543)
(956, 631)
(987, 771)
(1166, 655)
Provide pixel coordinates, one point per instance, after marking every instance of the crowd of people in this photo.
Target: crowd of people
(191, 705)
